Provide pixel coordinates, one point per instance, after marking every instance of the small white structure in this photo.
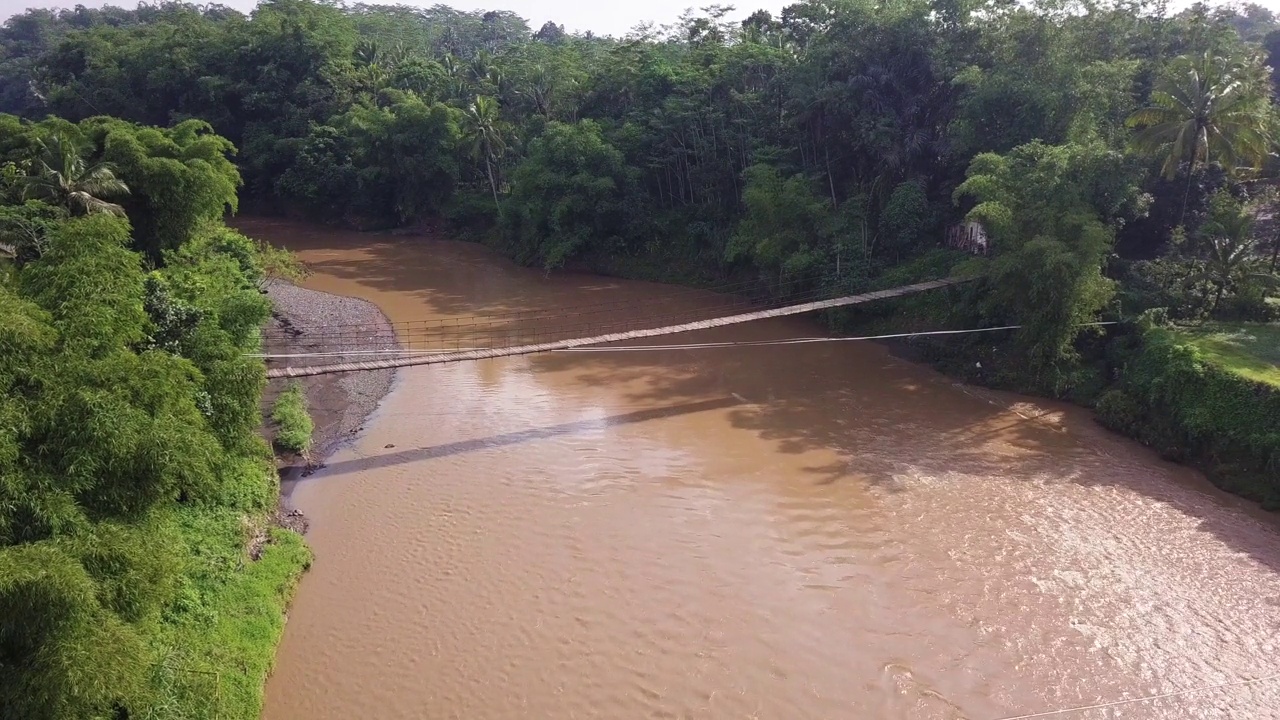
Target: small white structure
(970, 237)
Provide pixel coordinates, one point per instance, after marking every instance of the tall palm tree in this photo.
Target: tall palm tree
(1205, 109)
(456, 72)
(62, 177)
(483, 75)
(539, 89)
(486, 132)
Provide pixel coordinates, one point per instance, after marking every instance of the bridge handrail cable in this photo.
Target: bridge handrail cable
(564, 344)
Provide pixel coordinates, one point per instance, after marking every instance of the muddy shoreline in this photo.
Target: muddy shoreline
(339, 404)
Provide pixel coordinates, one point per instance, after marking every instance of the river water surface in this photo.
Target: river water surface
(781, 532)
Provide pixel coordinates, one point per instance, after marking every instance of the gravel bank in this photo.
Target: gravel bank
(339, 403)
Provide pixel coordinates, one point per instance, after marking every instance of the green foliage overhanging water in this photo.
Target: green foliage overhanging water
(138, 573)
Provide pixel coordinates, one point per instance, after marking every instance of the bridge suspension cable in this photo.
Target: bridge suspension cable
(505, 329)
(689, 346)
(603, 333)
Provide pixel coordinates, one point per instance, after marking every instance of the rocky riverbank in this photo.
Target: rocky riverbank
(339, 404)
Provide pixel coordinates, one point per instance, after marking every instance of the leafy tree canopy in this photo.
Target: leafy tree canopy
(568, 194)
(127, 402)
(1051, 211)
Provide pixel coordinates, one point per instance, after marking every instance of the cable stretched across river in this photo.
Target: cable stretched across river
(610, 337)
(787, 341)
(684, 346)
(486, 330)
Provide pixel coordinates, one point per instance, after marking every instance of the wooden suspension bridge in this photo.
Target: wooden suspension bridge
(525, 348)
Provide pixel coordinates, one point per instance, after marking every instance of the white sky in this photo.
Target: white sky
(604, 17)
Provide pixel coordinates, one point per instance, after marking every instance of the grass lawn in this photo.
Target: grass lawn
(1250, 349)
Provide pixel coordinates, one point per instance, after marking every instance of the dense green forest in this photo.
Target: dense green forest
(1117, 155)
(1119, 159)
(139, 572)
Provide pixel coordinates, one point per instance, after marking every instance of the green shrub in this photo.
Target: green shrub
(293, 422)
(249, 482)
(471, 210)
(65, 655)
(218, 641)
(1166, 282)
(1117, 410)
(1248, 304)
(1173, 398)
(908, 222)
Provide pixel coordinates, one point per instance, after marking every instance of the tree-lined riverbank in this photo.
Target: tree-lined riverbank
(809, 152)
(1114, 161)
(144, 569)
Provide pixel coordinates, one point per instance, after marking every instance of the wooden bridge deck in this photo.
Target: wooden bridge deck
(496, 352)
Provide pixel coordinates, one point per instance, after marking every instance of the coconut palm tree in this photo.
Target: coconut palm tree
(61, 176)
(486, 132)
(21, 239)
(457, 75)
(1205, 109)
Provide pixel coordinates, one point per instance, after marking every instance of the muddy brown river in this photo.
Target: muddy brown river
(779, 532)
